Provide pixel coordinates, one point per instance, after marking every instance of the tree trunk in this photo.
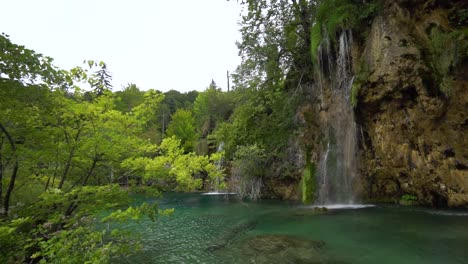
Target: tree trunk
(95, 160)
(302, 10)
(69, 160)
(1, 171)
(55, 171)
(11, 185)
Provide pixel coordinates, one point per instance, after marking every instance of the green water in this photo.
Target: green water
(220, 229)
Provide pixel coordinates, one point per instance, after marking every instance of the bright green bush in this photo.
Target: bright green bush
(409, 197)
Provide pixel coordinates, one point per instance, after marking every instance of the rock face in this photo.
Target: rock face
(410, 66)
(412, 137)
(284, 179)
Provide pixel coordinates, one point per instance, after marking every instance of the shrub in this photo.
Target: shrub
(248, 169)
(408, 197)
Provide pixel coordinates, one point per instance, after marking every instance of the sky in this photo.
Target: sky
(156, 44)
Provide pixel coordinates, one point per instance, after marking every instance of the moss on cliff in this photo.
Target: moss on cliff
(308, 182)
(335, 15)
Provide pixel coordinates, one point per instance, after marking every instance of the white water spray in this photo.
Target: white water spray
(337, 168)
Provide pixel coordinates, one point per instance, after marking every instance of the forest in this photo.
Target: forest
(76, 153)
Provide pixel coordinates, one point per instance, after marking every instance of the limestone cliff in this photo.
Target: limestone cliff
(412, 105)
(407, 67)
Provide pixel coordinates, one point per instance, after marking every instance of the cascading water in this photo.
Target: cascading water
(217, 183)
(337, 167)
(219, 165)
(325, 62)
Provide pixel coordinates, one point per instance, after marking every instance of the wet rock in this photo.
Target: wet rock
(457, 200)
(275, 243)
(230, 234)
(320, 209)
(414, 142)
(279, 249)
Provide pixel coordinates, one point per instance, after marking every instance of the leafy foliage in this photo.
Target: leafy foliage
(174, 100)
(248, 170)
(265, 118)
(18, 64)
(334, 15)
(128, 98)
(275, 40)
(409, 197)
(182, 126)
(62, 151)
(172, 167)
(62, 227)
(211, 107)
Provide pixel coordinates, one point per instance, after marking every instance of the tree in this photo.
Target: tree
(56, 144)
(182, 126)
(24, 99)
(174, 100)
(128, 98)
(100, 79)
(211, 107)
(275, 43)
(175, 169)
(248, 170)
(147, 114)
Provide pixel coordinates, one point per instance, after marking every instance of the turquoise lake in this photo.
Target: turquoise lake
(222, 229)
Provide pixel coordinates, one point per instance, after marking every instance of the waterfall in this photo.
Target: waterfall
(219, 166)
(337, 165)
(325, 59)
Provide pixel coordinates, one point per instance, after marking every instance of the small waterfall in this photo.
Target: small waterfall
(323, 180)
(216, 190)
(219, 166)
(337, 165)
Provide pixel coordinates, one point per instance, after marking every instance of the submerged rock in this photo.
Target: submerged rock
(231, 234)
(278, 249)
(275, 243)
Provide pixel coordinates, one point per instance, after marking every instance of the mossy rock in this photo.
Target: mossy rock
(320, 209)
(407, 202)
(277, 249)
(308, 184)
